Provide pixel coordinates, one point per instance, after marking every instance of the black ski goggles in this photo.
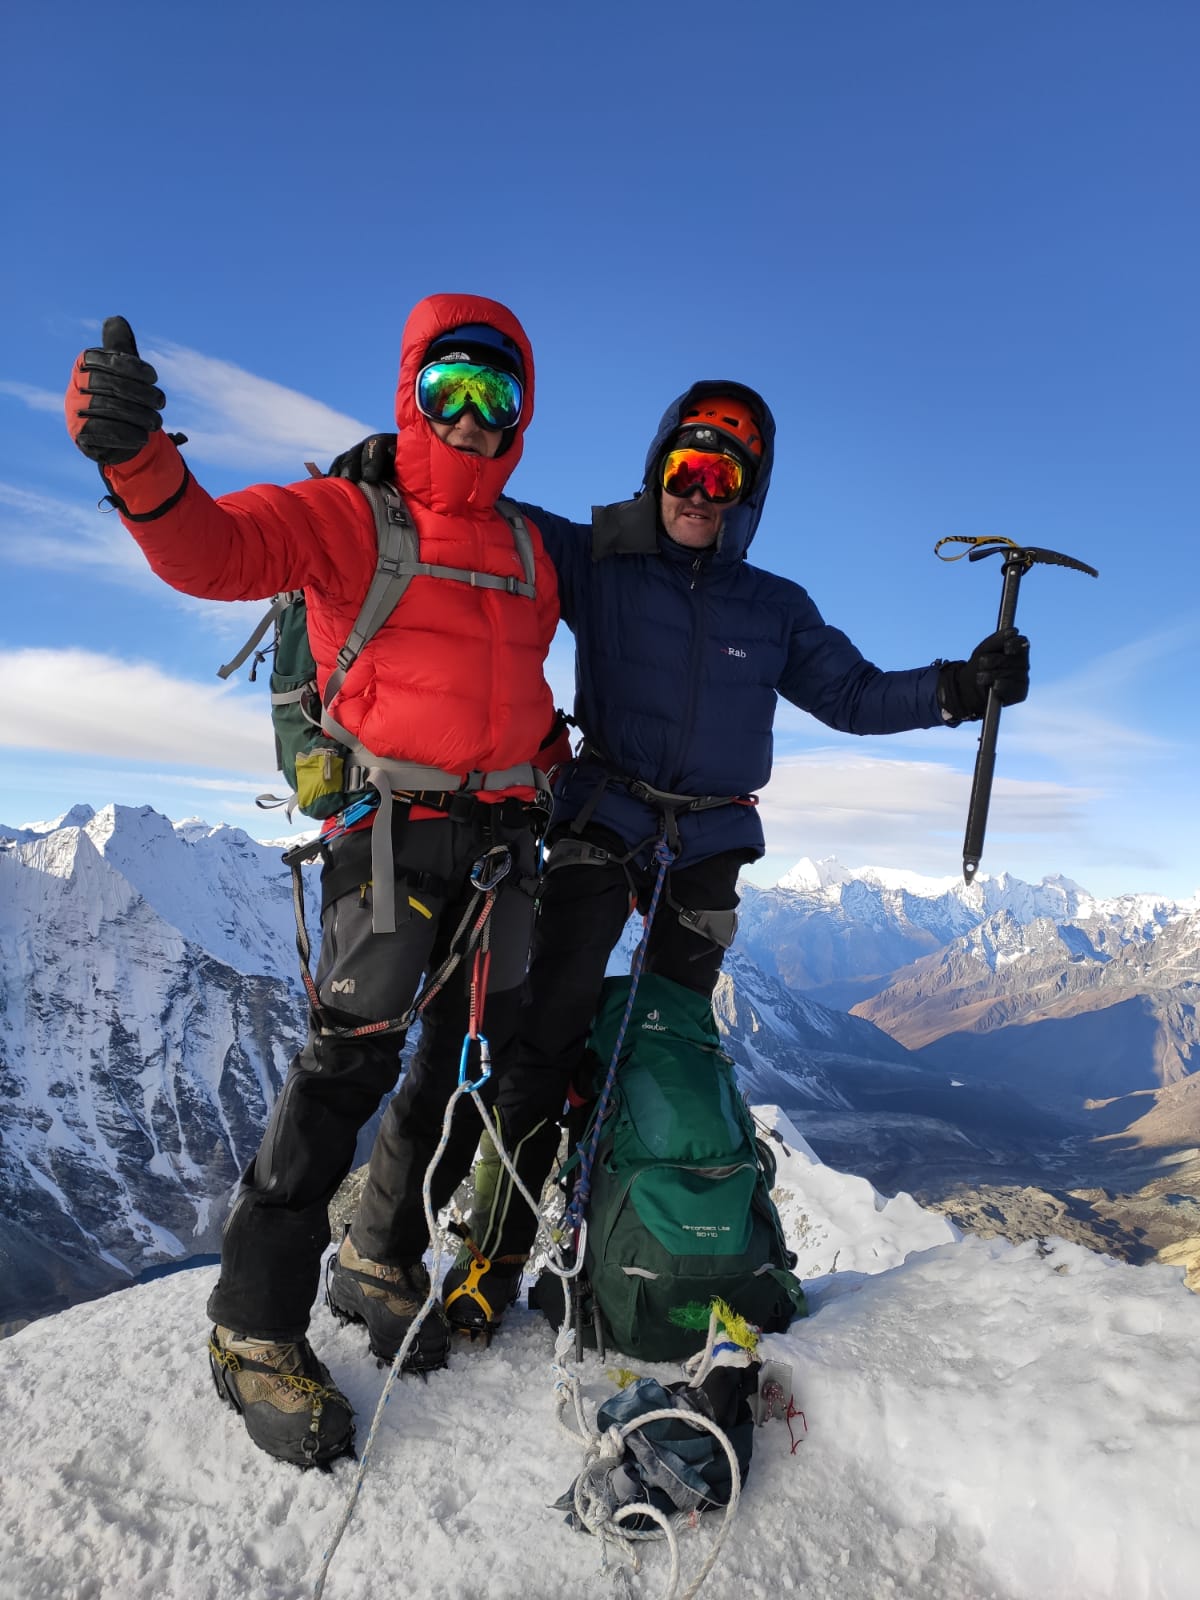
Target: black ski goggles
(446, 388)
(720, 478)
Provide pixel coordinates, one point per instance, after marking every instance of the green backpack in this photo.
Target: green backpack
(322, 761)
(680, 1210)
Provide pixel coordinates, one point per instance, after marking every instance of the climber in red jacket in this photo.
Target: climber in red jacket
(450, 701)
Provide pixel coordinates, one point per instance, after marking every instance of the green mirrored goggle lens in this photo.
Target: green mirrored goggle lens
(446, 388)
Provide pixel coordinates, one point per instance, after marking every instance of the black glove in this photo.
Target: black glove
(113, 402)
(1000, 662)
(371, 461)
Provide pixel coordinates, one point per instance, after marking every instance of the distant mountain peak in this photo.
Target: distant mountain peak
(808, 874)
(77, 817)
(986, 893)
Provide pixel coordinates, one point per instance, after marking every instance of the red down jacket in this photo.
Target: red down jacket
(454, 678)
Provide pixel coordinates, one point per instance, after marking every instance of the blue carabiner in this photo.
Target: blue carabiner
(485, 1063)
(353, 813)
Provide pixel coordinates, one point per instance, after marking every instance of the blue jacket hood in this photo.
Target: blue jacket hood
(633, 527)
(742, 520)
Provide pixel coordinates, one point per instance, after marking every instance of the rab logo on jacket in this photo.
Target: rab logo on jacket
(732, 650)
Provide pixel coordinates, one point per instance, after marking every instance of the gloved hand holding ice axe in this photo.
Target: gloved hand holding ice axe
(1017, 562)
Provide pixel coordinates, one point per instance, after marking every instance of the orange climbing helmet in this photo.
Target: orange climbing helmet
(729, 416)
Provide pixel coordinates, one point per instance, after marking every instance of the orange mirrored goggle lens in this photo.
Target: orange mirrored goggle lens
(719, 478)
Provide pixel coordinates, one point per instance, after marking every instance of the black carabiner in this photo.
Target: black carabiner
(491, 868)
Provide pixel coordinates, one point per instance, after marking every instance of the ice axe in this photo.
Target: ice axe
(1017, 562)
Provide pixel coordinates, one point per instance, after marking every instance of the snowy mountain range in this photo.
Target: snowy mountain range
(147, 1015)
(149, 1005)
(1104, 992)
(828, 930)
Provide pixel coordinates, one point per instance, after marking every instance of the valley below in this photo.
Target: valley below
(1136, 1204)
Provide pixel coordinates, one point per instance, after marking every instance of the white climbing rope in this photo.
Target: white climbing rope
(602, 1450)
(437, 1240)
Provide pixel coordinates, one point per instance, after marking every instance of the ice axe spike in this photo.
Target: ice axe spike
(1017, 561)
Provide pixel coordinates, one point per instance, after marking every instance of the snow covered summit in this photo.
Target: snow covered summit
(980, 1422)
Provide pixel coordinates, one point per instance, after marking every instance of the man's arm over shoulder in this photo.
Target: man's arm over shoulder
(827, 675)
(569, 546)
(244, 546)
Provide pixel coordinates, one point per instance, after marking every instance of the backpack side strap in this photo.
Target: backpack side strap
(278, 606)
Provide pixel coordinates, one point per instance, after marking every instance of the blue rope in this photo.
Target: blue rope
(587, 1155)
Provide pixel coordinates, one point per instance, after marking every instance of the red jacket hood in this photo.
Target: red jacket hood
(433, 473)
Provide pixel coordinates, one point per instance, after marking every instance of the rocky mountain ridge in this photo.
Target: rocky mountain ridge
(1105, 1005)
(145, 1026)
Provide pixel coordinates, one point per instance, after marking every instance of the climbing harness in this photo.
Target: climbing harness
(486, 876)
(669, 804)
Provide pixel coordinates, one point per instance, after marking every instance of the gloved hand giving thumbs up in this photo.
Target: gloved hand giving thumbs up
(113, 402)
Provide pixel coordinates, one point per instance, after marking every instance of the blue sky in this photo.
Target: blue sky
(956, 246)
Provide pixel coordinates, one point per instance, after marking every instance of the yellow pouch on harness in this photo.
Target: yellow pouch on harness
(319, 776)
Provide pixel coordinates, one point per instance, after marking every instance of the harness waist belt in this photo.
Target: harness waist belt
(386, 778)
(666, 799)
(676, 802)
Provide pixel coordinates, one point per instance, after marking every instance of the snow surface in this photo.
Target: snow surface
(984, 1422)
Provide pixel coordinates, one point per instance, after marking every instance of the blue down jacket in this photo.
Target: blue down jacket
(680, 655)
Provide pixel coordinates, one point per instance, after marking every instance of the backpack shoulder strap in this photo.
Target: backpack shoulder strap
(395, 566)
(489, 580)
(511, 513)
(398, 563)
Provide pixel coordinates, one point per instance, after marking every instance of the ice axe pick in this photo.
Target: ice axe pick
(1017, 562)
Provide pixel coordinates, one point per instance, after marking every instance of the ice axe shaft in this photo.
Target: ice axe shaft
(1017, 562)
(985, 758)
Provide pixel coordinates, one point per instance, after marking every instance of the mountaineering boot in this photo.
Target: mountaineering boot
(387, 1299)
(477, 1292)
(286, 1398)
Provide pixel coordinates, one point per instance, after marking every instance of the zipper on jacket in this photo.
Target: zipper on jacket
(695, 662)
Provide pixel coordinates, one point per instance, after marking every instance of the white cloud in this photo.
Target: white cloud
(35, 399)
(38, 530)
(232, 418)
(1075, 723)
(862, 808)
(236, 419)
(92, 705)
(1065, 729)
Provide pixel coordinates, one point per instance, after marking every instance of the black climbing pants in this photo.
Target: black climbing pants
(583, 909)
(278, 1228)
